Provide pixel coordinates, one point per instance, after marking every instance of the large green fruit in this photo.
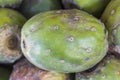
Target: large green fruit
(108, 69)
(10, 27)
(5, 72)
(31, 7)
(111, 18)
(10, 3)
(64, 40)
(94, 7)
(23, 70)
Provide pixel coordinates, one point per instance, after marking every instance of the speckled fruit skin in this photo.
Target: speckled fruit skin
(108, 69)
(24, 70)
(31, 7)
(111, 18)
(94, 7)
(10, 27)
(64, 40)
(10, 3)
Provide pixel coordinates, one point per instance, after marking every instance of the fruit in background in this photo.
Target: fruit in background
(23, 70)
(10, 3)
(10, 27)
(31, 7)
(94, 7)
(5, 72)
(111, 19)
(108, 69)
(64, 40)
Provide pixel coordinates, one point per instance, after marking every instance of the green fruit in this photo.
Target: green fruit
(10, 27)
(111, 18)
(108, 69)
(94, 7)
(24, 70)
(64, 40)
(5, 73)
(31, 7)
(10, 3)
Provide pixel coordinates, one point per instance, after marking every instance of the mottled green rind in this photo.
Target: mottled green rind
(10, 3)
(31, 7)
(94, 7)
(111, 19)
(10, 18)
(4, 73)
(106, 70)
(64, 41)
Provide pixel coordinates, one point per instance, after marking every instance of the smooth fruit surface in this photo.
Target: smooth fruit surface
(64, 40)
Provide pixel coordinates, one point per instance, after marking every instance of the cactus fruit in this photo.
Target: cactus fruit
(108, 69)
(111, 18)
(94, 7)
(10, 26)
(10, 3)
(64, 40)
(31, 7)
(23, 70)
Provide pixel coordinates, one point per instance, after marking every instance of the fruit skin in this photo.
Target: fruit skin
(108, 69)
(31, 7)
(70, 40)
(24, 70)
(5, 72)
(111, 19)
(10, 3)
(10, 27)
(94, 7)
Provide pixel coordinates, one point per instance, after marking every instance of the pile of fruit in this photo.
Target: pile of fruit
(59, 40)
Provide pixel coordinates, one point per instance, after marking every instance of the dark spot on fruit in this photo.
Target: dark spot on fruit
(71, 38)
(12, 42)
(24, 45)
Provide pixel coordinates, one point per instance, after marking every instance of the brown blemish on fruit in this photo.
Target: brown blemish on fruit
(12, 42)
